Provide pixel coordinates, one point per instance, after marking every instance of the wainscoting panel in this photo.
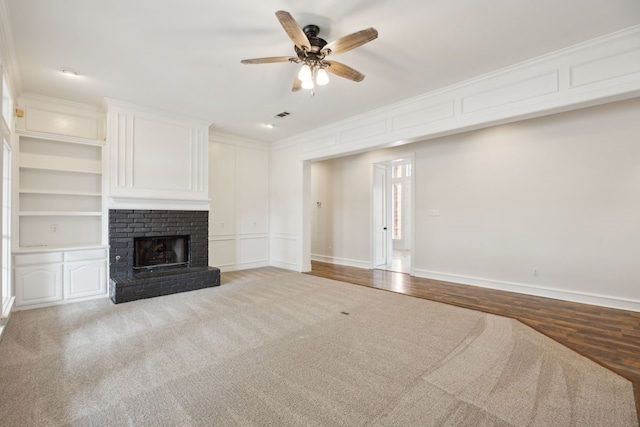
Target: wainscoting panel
(616, 65)
(239, 194)
(285, 251)
(420, 113)
(368, 130)
(222, 251)
(320, 142)
(252, 191)
(254, 250)
(505, 93)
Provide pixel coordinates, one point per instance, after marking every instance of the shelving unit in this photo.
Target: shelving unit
(60, 191)
(61, 253)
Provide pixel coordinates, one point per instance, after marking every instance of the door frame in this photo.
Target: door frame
(410, 159)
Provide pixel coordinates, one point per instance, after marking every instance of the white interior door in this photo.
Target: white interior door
(381, 233)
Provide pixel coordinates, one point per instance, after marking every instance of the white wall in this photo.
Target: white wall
(239, 206)
(287, 209)
(595, 72)
(559, 194)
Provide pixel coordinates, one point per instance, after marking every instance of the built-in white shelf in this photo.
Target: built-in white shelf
(59, 169)
(60, 138)
(60, 192)
(60, 195)
(60, 252)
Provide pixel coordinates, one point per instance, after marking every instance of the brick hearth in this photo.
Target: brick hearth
(125, 224)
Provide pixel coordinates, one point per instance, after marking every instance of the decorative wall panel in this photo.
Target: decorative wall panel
(155, 156)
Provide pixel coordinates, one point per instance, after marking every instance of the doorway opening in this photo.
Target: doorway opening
(392, 214)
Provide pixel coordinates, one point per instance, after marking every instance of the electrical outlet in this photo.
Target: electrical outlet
(536, 273)
(54, 228)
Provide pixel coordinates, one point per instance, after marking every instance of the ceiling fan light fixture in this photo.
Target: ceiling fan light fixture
(307, 84)
(322, 77)
(305, 73)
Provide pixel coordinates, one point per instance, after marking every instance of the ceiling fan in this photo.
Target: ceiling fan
(311, 51)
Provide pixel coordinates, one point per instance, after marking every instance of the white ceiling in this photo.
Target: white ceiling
(184, 56)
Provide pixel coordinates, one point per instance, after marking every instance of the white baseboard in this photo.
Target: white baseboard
(225, 268)
(341, 261)
(250, 265)
(286, 265)
(61, 302)
(579, 297)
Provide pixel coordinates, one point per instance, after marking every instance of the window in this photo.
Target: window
(6, 126)
(7, 104)
(401, 171)
(6, 223)
(400, 186)
(396, 190)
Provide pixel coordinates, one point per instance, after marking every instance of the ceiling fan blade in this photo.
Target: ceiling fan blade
(297, 85)
(293, 30)
(350, 41)
(345, 71)
(267, 60)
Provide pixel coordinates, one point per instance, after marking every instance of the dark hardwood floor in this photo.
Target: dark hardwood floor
(607, 336)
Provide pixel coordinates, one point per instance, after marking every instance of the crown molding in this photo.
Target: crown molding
(7, 50)
(29, 98)
(110, 104)
(605, 69)
(225, 138)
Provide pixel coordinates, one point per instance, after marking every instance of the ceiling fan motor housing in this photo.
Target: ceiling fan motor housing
(312, 31)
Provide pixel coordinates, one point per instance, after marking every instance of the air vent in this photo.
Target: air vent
(283, 114)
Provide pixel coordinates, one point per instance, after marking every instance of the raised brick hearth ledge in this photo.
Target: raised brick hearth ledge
(128, 284)
(164, 282)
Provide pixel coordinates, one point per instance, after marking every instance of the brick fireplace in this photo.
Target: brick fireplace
(129, 282)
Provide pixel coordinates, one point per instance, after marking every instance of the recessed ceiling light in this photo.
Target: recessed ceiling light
(269, 125)
(69, 72)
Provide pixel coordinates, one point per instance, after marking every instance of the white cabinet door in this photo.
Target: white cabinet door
(38, 284)
(85, 278)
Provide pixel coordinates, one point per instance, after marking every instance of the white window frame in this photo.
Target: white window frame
(6, 291)
(7, 295)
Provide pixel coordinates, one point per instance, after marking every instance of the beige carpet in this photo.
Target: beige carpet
(272, 347)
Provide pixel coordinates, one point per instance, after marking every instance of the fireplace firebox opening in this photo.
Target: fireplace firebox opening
(151, 252)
